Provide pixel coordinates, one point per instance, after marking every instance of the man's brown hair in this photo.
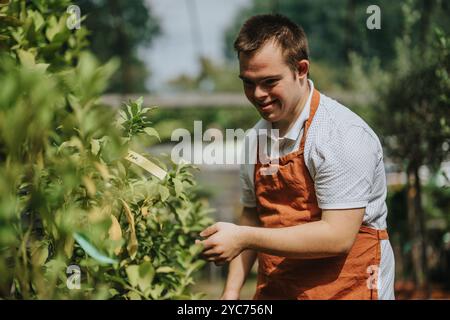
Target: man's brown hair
(260, 29)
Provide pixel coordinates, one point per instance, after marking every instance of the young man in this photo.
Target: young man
(317, 224)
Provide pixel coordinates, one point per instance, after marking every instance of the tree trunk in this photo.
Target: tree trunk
(416, 221)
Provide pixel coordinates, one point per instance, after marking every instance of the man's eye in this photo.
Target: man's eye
(270, 82)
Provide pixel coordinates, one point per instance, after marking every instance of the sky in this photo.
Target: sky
(175, 51)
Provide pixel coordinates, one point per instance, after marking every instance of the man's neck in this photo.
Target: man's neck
(285, 125)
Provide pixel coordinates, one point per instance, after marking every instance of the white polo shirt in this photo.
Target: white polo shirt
(345, 160)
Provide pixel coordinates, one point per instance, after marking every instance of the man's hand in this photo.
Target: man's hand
(224, 242)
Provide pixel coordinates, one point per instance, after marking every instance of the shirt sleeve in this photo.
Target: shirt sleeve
(248, 198)
(247, 167)
(344, 168)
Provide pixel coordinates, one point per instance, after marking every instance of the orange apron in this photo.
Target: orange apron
(287, 198)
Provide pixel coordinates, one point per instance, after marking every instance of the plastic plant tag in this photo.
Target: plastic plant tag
(146, 164)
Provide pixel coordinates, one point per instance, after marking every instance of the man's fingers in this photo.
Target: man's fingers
(213, 258)
(210, 252)
(220, 262)
(217, 258)
(207, 244)
(209, 231)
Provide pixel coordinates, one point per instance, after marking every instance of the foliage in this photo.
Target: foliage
(67, 195)
(36, 31)
(214, 117)
(436, 204)
(119, 28)
(212, 77)
(412, 115)
(335, 29)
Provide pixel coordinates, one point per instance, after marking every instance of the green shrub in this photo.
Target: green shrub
(68, 196)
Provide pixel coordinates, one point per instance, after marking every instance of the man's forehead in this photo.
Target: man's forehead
(268, 51)
(267, 59)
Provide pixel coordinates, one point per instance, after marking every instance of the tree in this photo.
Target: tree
(413, 116)
(119, 28)
(334, 29)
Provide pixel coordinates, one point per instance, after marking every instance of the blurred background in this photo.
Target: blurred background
(179, 55)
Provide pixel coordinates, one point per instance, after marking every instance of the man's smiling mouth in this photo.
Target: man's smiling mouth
(266, 106)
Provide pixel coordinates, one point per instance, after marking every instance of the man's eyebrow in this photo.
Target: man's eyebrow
(276, 76)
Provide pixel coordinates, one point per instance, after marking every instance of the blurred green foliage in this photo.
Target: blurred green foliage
(336, 29)
(436, 201)
(410, 109)
(118, 28)
(67, 195)
(343, 50)
(167, 120)
(213, 77)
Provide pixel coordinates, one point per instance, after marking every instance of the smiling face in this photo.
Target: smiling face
(271, 86)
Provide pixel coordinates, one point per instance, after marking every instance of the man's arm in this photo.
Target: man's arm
(333, 235)
(241, 265)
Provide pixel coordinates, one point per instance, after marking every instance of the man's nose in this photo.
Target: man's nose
(260, 93)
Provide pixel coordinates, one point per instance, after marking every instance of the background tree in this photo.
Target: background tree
(334, 29)
(119, 28)
(414, 116)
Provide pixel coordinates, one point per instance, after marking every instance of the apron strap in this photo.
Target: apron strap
(315, 99)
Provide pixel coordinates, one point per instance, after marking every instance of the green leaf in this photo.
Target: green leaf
(52, 29)
(133, 275)
(95, 146)
(146, 275)
(181, 240)
(122, 171)
(133, 295)
(139, 101)
(152, 132)
(39, 254)
(163, 192)
(155, 292)
(195, 249)
(42, 67)
(113, 292)
(195, 266)
(134, 109)
(178, 186)
(141, 275)
(26, 58)
(165, 270)
(38, 20)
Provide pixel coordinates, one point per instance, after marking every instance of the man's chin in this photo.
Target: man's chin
(271, 117)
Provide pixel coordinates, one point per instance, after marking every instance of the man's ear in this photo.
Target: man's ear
(303, 68)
